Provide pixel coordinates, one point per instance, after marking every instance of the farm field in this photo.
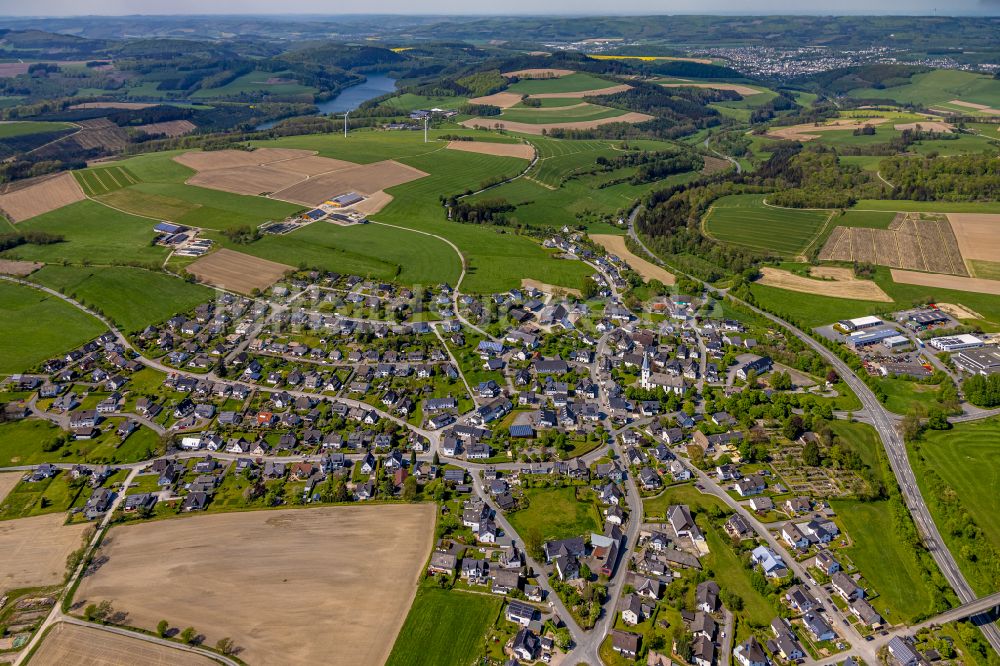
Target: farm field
(901, 206)
(569, 114)
(743, 219)
(236, 271)
(542, 124)
(35, 550)
(647, 269)
(7, 481)
(555, 513)
(572, 83)
(444, 627)
(410, 102)
(271, 83)
(522, 150)
(939, 87)
(842, 285)
(101, 180)
(72, 644)
(343, 602)
(123, 293)
(41, 196)
(978, 236)
(954, 282)
(10, 129)
(37, 326)
(93, 233)
(923, 242)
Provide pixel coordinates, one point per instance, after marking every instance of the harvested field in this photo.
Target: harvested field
(374, 203)
(958, 311)
(610, 90)
(113, 105)
(538, 73)
(13, 68)
(745, 91)
(236, 271)
(523, 150)
(533, 128)
(843, 285)
(548, 288)
(35, 550)
(225, 159)
(19, 269)
(927, 126)
(504, 100)
(978, 235)
(41, 197)
(7, 481)
(86, 646)
(313, 165)
(714, 165)
(913, 241)
(809, 132)
(252, 180)
(98, 133)
(340, 582)
(170, 128)
(648, 270)
(978, 107)
(363, 178)
(947, 282)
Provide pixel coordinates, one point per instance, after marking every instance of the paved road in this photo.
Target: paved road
(895, 448)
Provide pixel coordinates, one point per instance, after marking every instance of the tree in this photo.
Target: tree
(533, 543)
(189, 635)
(436, 460)
(225, 646)
(161, 628)
(781, 381)
(793, 427)
(810, 455)
(410, 489)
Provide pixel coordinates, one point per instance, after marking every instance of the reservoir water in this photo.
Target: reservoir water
(350, 98)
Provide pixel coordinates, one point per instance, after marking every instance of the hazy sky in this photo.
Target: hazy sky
(112, 7)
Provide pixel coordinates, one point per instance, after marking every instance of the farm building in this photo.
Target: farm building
(314, 214)
(168, 228)
(345, 200)
(859, 323)
(954, 343)
(979, 361)
(866, 338)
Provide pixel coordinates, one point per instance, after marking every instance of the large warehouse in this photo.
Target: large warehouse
(981, 361)
(954, 343)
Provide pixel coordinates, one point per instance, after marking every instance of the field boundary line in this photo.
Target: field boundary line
(764, 201)
(819, 234)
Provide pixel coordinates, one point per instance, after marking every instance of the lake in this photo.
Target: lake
(350, 98)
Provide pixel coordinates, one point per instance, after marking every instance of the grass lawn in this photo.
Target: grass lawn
(21, 442)
(886, 565)
(722, 562)
(444, 628)
(744, 220)
(36, 499)
(556, 514)
(132, 297)
(23, 128)
(37, 326)
(811, 310)
(903, 395)
(966, 457)
(902, 592)
(576, 82)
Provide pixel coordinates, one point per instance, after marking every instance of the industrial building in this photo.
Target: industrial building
(866, 338)
(859, 323)
(979, 361)
(345, 200)
(954, 343)
(924, 318)
(896, 342)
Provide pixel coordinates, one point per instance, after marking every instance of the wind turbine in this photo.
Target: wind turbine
(345, 123)
(426, 120)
